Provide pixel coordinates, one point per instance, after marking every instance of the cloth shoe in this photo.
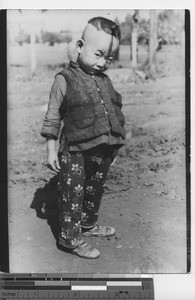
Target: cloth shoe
(85, 250)
(100, 231)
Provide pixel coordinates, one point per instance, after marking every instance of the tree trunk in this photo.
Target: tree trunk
(134, 48)
(134, 39)
(152, 42)
(32, 52)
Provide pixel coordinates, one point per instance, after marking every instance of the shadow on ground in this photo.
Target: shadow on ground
(46, 206)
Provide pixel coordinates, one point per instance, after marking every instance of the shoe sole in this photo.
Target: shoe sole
(86, 257)
(72, 251)
(98, 235)
(84, 250)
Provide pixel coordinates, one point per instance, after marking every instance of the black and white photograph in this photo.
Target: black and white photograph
(96, 111)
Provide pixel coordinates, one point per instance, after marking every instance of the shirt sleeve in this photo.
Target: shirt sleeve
(52, 121)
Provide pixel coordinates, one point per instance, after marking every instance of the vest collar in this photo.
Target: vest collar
(75, 65)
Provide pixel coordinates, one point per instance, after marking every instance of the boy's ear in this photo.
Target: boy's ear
(79, 45)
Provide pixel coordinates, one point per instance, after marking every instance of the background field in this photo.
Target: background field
(170, 60)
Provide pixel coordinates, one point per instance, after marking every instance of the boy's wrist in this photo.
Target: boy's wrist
(51, 145)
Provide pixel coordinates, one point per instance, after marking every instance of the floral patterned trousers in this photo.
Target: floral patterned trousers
(80, 188)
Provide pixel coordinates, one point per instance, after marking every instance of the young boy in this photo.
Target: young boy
(84, 98)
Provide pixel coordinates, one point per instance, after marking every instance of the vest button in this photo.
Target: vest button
(98, 89)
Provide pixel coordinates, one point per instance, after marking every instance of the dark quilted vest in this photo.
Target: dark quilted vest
(91, 106)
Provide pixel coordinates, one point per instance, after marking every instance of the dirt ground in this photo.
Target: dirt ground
(145, 194)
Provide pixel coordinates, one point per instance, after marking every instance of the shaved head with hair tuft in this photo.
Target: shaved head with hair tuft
(106, 25)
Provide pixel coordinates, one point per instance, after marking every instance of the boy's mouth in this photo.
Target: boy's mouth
(99, 69)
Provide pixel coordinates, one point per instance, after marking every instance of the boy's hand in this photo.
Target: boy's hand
(52, 157)
(53, 162)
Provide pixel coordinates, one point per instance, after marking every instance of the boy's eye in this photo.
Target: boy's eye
(109, 59)
(97, 55)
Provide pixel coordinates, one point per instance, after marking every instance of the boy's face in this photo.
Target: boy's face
(96, 51)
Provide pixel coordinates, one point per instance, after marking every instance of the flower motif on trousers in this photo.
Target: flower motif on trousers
(77, 225)
(78, 190)
(74, 242)
(66, 217)
(90, 190)
(66, 158)
(89, 204)
(75, 207)
(64, 233)
(76, 169)
(67, 178)
(97, 159)
(65, 197)
(84, 217)
(97, 176)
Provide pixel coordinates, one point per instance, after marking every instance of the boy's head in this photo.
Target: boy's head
(98, 45)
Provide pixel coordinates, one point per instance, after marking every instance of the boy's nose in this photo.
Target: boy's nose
(101, 62)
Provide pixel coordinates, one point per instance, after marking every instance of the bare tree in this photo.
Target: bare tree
(116, 58)
(153, 42)
(134, 38)
(33, 59)
(32, 51)
(31, 25)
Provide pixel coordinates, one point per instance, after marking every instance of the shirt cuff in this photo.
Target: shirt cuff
(49, 132)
